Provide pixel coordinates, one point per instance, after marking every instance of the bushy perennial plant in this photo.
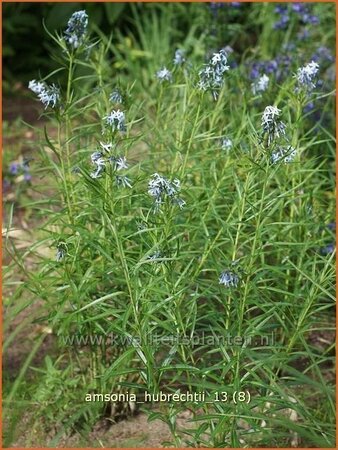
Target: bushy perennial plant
(136, 255)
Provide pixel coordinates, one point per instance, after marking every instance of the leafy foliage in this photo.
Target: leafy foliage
(190, 227)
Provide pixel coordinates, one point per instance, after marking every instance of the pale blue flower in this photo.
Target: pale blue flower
(226, 144)
(49, 95)
(97, 158)
(260, 85)
(282, 154)
(77, 29)
(212, 75)
(179, 57)
(229, 279)
(61, 252)
(153, 257)
(99, 161)
(160, 187)
(116, 120)
(122, 181)
(306, 75)
(116, 96)
(272, 124)
(179, 202)
(107, 147)
(164, 75)
(119, 162)
(36, 86)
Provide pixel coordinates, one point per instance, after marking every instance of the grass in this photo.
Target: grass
(150, 278)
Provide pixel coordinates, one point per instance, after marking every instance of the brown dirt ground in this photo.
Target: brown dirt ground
(133, 432)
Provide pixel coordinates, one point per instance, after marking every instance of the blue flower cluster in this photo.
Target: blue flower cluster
(229, 278)
(77, 29)
(282, 64)
(306, 76)
(115, 121)
(272, 126)
(22, 168)
(103, 158)
(179, 57)
(61, 251)
(260, 85)
(179, 60)
(48, 95)
(226, 144)
(301, 10)
(160, 188)
(285, 155)
(278, 66)
(258, 68)
(116, 96)
(212, 75)
(322, 55)
(164, 74)
(153, 257)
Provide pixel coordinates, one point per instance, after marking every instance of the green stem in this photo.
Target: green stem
(67, 137)
(252, 254)
(235, 248)
(68, 124)
(66, 198)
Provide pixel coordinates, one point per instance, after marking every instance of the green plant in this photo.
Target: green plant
(188, 226)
